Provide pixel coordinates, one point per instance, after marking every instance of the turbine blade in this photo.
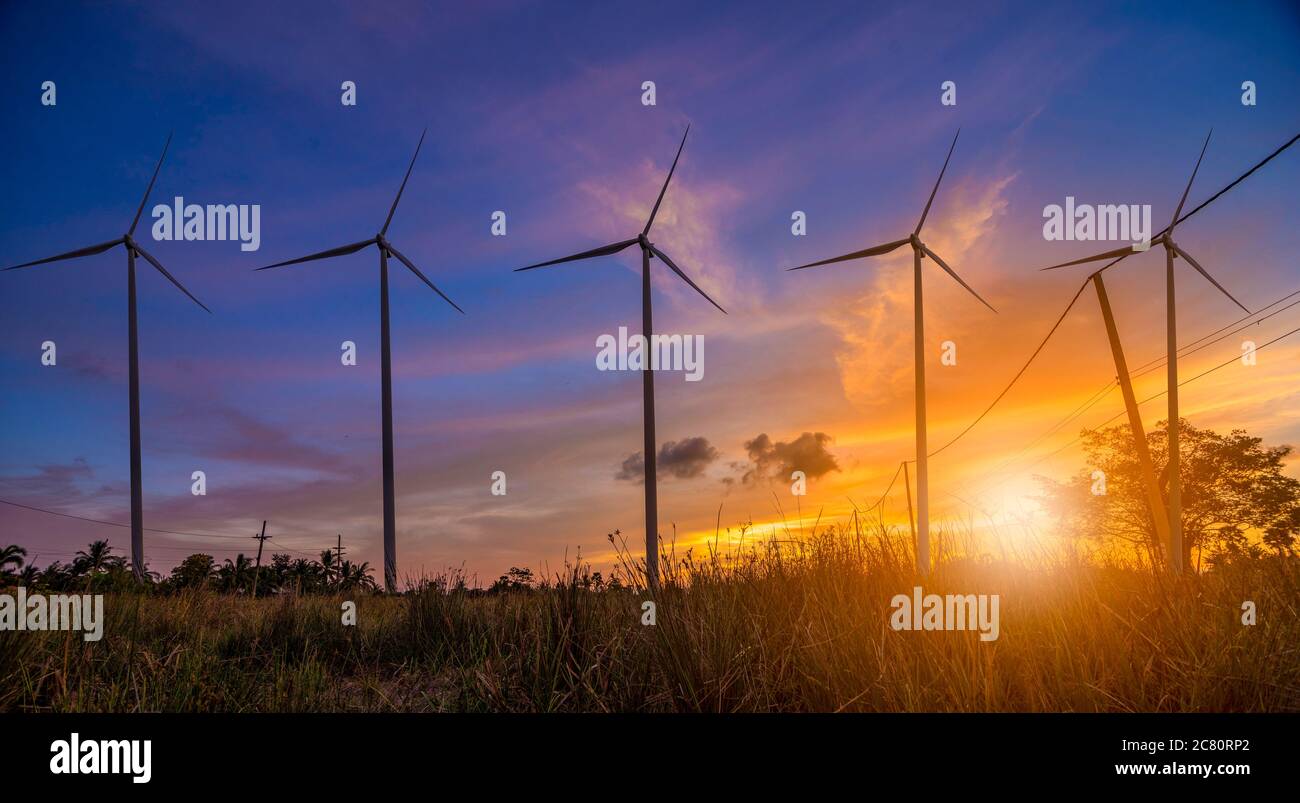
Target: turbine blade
(136, 247)
(685, 278)
(870, 252)
(423, 278)
(411, 166)
(1174, 221)
(1207, 275)
(1118, 253)
(604, 250)
(333, 252)
(953, 274)
(664, 189)
(149, 189)
(80, 252)
(926, 211)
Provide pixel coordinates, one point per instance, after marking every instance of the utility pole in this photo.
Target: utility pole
(907, 486)
(648, 429)
(257, 570)
(1159, 515)
(922, 459)
(338, 558)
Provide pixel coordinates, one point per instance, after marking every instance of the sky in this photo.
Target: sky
(535, 109)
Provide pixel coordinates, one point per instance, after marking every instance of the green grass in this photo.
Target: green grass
(791, 627)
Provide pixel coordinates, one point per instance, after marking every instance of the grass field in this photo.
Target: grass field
(789, 627)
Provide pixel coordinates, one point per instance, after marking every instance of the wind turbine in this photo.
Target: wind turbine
(1172, 251)
(386, 250)
(919, 251)
(133, 250)
(648, 251)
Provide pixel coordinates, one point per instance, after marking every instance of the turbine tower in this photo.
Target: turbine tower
(1177, 560)
(648, 251)
(386, 250)
(919, 251)
(133, 250)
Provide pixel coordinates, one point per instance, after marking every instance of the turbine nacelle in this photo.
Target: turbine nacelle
(1165, 238)
(642, 240)
(381, 240)
(919, 248)
(133, 248)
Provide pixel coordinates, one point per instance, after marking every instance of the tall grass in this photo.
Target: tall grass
(784, 625)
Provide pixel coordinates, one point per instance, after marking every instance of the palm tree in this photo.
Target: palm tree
(304, 573)
(236, 574)
(55, 575)
(356, 576)
(29, 575)
(327, 564)
(11, 555)
(96, 559)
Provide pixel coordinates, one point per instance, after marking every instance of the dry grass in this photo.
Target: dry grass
(790, 627)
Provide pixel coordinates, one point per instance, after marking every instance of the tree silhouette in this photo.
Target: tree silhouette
(96, 567)
(29, 576)
(328, 565)
(355, 576)
(236, 575)
(1233, 486)
(96, 559)
(11, 555)
(195, 571)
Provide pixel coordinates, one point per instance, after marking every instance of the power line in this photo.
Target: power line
(1151, 365)
(287, 549)
(1223, 337)
(1092, 401)
(111, 523)
(1104, 391)
(1209, 200)
(1020, 373)
(1158, 361)
(1153, 397)
(1084, 285)
(881, 500)
(120, 524)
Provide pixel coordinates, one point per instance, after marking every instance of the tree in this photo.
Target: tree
(29, 576)
(304, 574)
(327, 564)
(11, 555)
(1232, 485)
(95, 559)
(193, 572)
(356, 576)
(56, 576)
(516, 579)
(236, 575)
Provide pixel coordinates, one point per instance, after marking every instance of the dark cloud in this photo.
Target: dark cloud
(806, 453)
(233, 434)
(93, 367)
(53, 482)
(684, 459)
